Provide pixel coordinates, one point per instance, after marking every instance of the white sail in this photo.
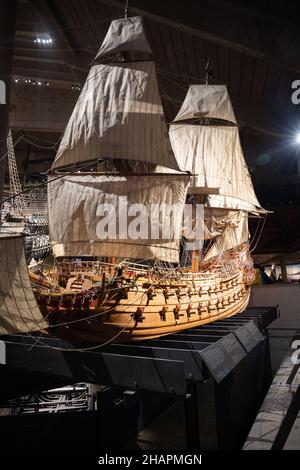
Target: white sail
(215, 221)
(228, 202)
(212, 153)
(77, 204)
(118, 114)
(124, 34)
(19, 312)
(234, 233)
(206, 101)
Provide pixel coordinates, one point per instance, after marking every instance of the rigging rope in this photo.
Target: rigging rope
(262, 227)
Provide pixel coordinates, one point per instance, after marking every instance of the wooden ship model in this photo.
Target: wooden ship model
(116, 146)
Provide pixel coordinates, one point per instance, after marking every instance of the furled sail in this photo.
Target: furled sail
(207, 101)
(234, 233)
(124, 207)
(215, 221)
(212, 151)
(19, 312)
(124, 34)
(228, 202)
(118, 114)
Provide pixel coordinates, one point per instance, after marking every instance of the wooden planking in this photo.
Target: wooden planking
(212, 54)
(166, 35)
(169, 84)
(91, 30)
(247, 74)
(224, 64)
(201, 55)
(179, 51)
(26, 13)
(271, 84)
(259, 77)
(283, 91)
(190, 52)
(235, 72)
(154, 37)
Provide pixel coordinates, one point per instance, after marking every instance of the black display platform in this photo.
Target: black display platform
(219, 372)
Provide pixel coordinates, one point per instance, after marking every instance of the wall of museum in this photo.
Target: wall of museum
(282, 330)
(287, 296)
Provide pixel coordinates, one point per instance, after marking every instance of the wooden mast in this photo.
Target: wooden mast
(197, 254)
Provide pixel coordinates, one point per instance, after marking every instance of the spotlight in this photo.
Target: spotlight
(44, 40)
(297, 139)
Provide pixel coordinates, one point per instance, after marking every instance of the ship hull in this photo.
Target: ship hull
(152, 308)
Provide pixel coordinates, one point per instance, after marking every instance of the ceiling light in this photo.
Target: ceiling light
(42, 40)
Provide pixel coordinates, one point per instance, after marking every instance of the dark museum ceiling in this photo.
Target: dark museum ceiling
(253, 47)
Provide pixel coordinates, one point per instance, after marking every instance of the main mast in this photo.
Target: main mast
(117, 125)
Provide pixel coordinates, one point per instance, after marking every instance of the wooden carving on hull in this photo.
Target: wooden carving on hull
(136, 306)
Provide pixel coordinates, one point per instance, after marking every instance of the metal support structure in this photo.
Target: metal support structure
(191, 418)
(15, 188)
(7, 31)
(283, 269)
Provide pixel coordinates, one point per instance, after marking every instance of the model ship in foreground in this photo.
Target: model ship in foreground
(117, 158)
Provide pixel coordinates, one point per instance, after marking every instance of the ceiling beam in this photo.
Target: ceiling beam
(64, 41)
(255, 116)
(45, 60)
(58, 78)
(274, 42)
